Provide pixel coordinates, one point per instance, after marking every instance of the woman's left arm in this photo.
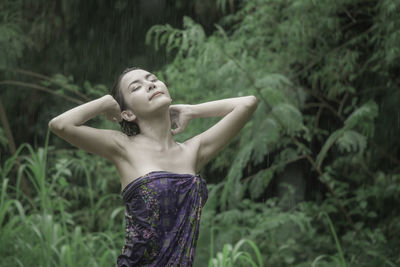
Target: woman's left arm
(235, 112)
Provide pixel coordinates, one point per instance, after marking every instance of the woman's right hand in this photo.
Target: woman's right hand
(112, 109)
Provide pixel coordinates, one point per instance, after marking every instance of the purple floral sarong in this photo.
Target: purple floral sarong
(162, 218)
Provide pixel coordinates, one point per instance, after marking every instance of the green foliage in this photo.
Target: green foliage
(314, 67)
(182, 40)
(231, 256)
(363, 118)
(66, 85)
(325, 74)
(351, 141)
(259, 182)
(64, 222)
(339, 261)
(12, 38)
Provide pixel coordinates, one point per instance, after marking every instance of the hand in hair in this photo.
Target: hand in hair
(113, 112)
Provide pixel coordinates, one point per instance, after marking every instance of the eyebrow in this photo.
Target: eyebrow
(145, 77)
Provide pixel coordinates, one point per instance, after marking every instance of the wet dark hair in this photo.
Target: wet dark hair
(130, 128)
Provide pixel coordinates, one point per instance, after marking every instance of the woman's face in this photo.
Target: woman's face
(144, 93)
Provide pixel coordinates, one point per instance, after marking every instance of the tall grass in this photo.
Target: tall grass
(337, 260)
(40, 232)
(231, 256)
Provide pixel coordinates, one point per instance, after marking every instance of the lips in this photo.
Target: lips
(156, 94)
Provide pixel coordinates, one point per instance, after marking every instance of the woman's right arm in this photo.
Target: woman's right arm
(102, 142)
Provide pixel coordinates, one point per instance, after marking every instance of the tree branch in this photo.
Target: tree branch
(44, 77)
(40, 88)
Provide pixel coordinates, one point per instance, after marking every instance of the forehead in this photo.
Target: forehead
(132, 76)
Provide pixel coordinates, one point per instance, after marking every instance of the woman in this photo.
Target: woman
(161, 188)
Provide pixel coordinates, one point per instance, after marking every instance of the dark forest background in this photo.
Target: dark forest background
(312, 180)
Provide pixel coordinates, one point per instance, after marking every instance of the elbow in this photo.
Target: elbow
(54, 126)
(251, 102)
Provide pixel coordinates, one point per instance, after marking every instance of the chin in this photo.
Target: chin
(165, 98)
(162, 103)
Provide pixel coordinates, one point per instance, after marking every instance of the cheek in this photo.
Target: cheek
(137, 101)
(165, 88)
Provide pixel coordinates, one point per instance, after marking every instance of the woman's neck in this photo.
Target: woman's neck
(157, 130)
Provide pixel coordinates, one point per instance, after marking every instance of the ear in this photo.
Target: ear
(128, 115)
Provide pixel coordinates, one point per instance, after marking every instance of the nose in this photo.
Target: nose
(151, 86)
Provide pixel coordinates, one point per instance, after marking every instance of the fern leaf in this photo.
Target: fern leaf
(363, 118)
(259, 183)
(235, 173)
(289, 116)
(266, 133)
(351, 141)
(327, 145)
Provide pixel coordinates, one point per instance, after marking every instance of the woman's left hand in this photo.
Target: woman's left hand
(180, 117)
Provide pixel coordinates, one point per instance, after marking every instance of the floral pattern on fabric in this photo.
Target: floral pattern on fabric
(162, 219)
